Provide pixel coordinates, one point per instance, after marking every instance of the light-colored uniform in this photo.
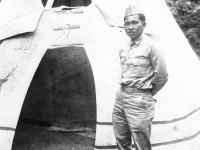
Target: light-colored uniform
(143, 74)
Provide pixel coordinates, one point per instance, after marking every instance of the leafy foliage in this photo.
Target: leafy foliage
(187, 15)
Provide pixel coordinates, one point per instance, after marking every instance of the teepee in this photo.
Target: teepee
(176, 123)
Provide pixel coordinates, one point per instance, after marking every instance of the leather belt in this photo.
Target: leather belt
(134, 90)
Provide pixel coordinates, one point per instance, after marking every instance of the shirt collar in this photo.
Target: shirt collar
(137, 41)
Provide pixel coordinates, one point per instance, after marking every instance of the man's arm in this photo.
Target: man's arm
(159, 69)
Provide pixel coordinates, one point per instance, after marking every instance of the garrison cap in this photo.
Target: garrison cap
(132, 10)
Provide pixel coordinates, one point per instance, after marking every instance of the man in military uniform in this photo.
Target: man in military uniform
(143, 74)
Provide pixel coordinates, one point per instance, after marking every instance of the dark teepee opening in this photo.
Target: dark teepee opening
(60, 105)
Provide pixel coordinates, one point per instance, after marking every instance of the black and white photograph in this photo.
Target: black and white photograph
(99, 75)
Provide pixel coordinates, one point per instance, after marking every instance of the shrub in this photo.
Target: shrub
(187, 15)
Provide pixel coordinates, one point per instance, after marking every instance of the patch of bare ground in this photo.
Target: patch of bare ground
(34, 135)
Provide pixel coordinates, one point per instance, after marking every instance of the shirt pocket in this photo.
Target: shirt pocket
(138, 67)
(143, 62)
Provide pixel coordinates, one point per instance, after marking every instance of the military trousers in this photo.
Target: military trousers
(132, 120)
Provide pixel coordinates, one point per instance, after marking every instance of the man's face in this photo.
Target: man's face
(134, 26)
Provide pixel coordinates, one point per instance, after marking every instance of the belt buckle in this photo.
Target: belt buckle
(123, 88)
(127, 90)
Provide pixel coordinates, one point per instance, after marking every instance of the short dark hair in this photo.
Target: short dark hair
(142, 17)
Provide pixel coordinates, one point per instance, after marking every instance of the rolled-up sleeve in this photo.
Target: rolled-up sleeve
(159, 69)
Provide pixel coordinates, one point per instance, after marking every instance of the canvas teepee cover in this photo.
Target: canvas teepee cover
(176, 123)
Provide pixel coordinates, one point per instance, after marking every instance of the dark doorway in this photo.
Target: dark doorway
(60, 105)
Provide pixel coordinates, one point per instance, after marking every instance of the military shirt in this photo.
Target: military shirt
(143, 65)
